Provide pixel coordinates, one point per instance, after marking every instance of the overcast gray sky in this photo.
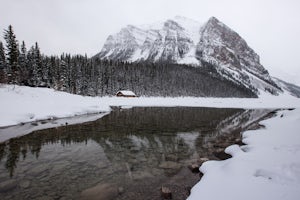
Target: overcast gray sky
(271, 27)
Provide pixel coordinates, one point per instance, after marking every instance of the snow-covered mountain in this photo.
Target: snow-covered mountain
(185, 41)
(293, 89)
(174, 40)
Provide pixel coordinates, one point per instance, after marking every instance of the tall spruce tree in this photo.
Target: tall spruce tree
(3, 70)
(63, 73)
(38, 62)
(23, 65)
(12, 52)
(31, 67)
(35, 66)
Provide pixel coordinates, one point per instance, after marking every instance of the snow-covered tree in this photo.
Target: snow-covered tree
(3, 70)
(23, 63)
(35, 64)
(12, 52)
(38, 60)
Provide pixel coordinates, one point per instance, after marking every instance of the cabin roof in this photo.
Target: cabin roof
(126, 92)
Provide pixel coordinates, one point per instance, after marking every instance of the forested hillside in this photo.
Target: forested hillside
(92, 76)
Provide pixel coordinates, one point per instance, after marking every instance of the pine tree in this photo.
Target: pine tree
(39, 65)
(31, 67)
(63, 73)
(3, 66)
(23, 63)
(35, 66)
(54, 72)
(12, 52)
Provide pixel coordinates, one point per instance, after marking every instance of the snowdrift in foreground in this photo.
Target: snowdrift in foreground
(21, 104)
(268, 167)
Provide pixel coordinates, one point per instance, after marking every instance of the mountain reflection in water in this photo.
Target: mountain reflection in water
(124, 149)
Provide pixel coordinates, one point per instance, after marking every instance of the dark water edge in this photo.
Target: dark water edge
(128, 154)
(21, 129)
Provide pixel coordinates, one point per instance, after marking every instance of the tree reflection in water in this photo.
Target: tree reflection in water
(134, 143)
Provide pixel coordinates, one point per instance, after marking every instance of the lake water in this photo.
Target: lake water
(128, 154)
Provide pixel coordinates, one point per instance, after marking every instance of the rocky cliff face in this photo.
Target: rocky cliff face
(226, 49)
(185, 41)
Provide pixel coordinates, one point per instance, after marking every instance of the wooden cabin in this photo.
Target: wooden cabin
(125, 93)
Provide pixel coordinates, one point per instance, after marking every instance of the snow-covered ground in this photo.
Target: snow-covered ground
(267, 167)
(20, 104)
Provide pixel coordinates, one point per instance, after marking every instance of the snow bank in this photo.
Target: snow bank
(268, 167)
(19, 104)
(265, 101)
(25, 104)
(15, 131)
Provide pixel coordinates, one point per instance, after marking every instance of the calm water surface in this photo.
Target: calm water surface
(128, 154)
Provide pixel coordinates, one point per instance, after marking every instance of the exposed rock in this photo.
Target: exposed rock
(188, 190)
(200, 175)
(194, 168)
(239, 142)
(202, 160)
(222, 155)
(120, 190)
(166, 193)
(102, 191)
(196, 163)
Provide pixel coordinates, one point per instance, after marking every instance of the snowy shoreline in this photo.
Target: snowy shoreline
(21, 105)
(18, 130)
(267, 167)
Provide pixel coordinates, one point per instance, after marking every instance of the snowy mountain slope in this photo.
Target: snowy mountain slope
(167, 41)
(185, 41)
(224, 48)
(289, 87)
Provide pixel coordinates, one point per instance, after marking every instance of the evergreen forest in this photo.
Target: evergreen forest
(79, 74)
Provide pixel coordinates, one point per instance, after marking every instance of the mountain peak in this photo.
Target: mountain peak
(214, 22)
(213, 19)
(170, 24)
(185, 41)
